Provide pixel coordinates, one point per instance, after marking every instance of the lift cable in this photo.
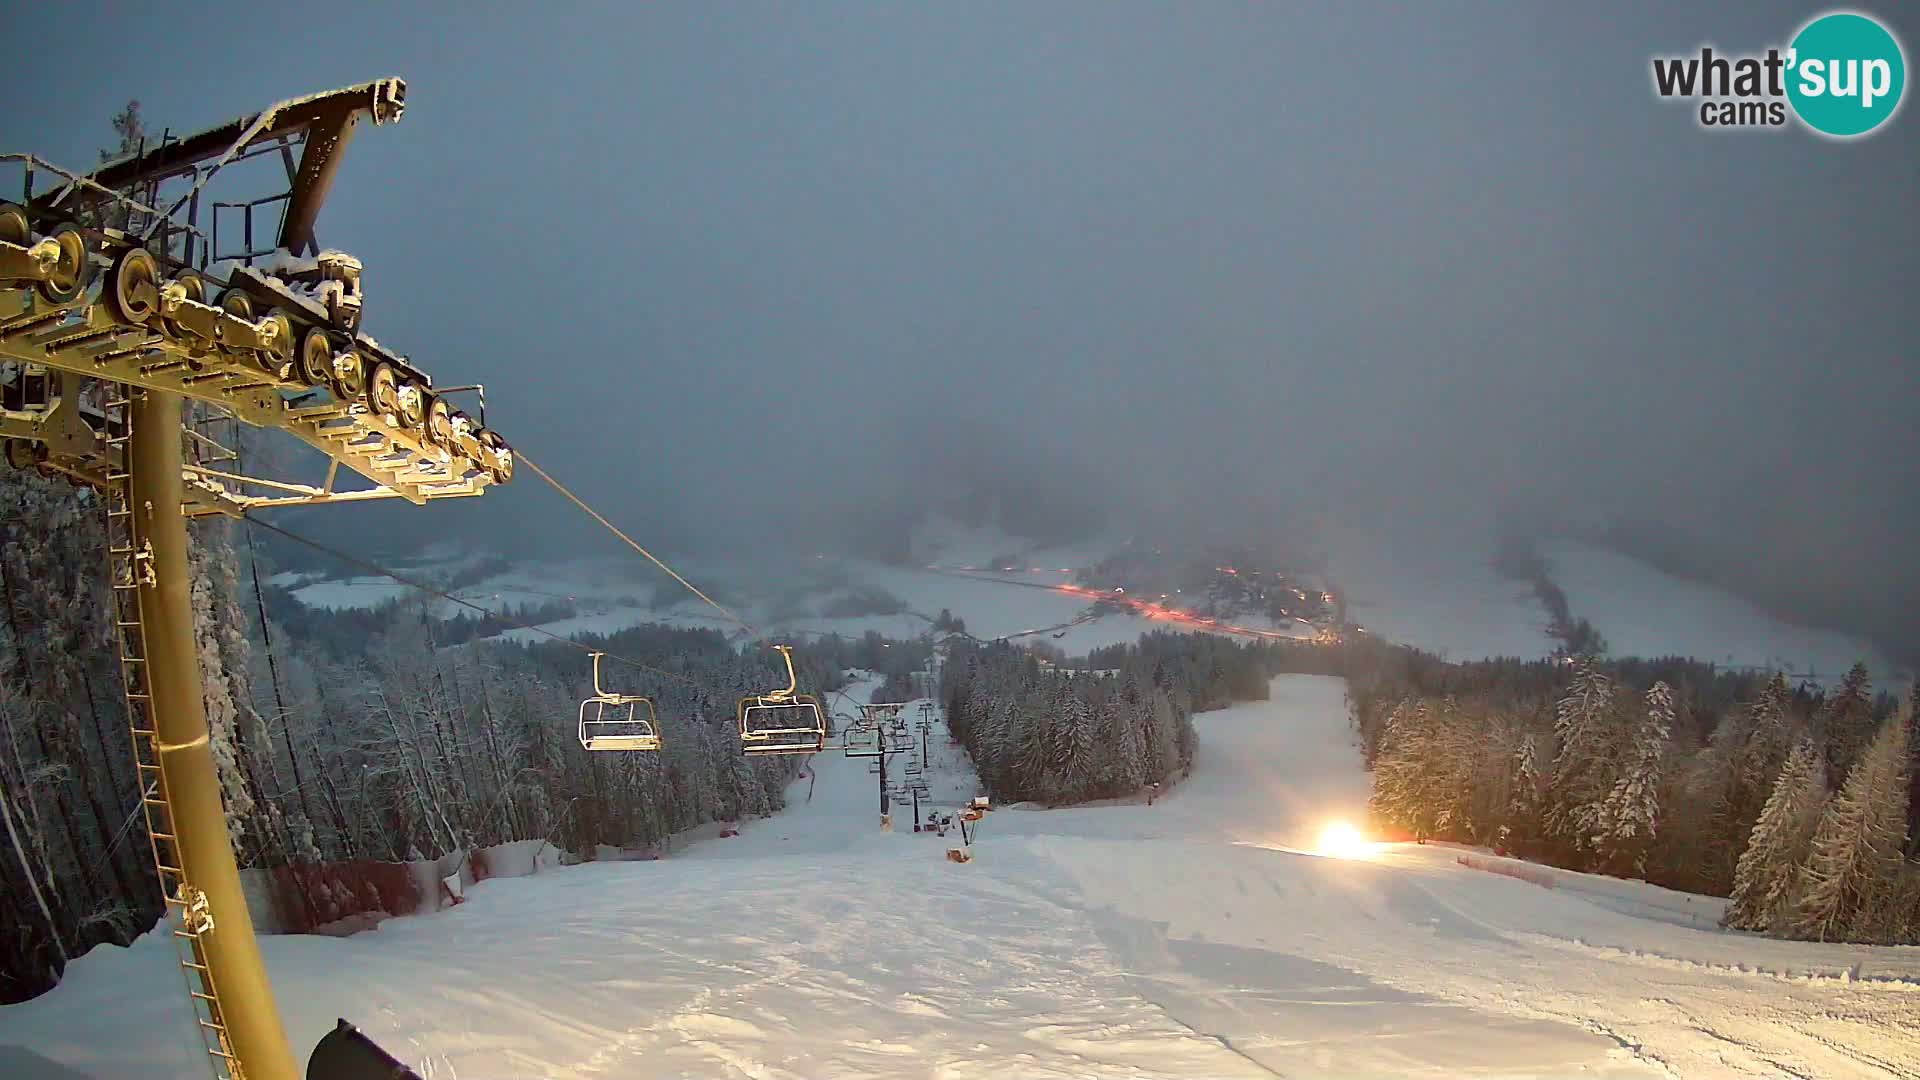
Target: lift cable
(522, 459)
(450, 598)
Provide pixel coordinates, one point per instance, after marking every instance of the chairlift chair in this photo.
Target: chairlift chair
(782, 721)
(864, 735)
(617, 721)
(862, 741)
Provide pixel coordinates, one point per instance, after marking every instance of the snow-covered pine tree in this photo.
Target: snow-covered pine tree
(985, 710)
(1622, 825)
(1846, 721)
(1136, 720)
(1733, 776)
(1162, 751)
(1402, 770)
(1591, 747)
(1768, 739)
(1032, 774)
(1855, 863)
(1128, 744)
(1075, 758)
(1768, 876)
(996, 740)
(1526, 797)
(1453, 756)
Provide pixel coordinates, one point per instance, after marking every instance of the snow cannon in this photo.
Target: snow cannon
(346, 1054)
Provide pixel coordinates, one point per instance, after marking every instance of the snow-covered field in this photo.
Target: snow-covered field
(1644, 612)
(611, 595)
(1189, 938)
(1443, 597)
(1437, 593)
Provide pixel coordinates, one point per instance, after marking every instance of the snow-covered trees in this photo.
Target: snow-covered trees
(1591, 748)
(1520, 827)
(1645, 790)
(1733, 776)
(1856, 862)
(1400, 770)
(1846, 720)
(1426, 770)
(1768, 877)
(365, 739)
(1056, 736)
(65, 771)
(1621, 826)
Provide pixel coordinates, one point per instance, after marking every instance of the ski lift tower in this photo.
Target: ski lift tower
(130, 335)
(882, 721)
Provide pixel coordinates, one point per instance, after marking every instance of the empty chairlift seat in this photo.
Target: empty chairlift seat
(782, 721)
(862, 737)
(617, 721)
(894, 738)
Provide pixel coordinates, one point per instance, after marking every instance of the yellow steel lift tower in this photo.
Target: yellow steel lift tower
(125, 328)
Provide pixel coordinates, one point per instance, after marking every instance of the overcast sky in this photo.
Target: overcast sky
(1382, 265)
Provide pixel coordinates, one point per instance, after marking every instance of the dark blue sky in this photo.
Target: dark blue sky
(1390, 263)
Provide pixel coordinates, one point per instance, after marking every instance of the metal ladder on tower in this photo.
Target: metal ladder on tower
(128, 567)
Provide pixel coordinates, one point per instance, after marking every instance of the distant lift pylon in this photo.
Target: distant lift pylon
(782, 721)
(611, 721)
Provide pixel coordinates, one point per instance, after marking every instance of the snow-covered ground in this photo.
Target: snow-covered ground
(1444, 597)
(1440, 595)
(1188, 938)
(342, 593)
(1642, 611)
(611, 595)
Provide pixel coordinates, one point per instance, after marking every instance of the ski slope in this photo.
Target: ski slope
(1190, 938)
(1440, 594)
(1645, 612)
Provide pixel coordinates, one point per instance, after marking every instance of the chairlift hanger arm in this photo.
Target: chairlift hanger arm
(325, 120)
(793, 680)
(382, 99)
(597, 691)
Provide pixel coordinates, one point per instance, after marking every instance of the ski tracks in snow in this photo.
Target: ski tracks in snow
(1182, 939)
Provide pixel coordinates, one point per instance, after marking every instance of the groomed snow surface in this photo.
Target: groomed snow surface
(1190, 938)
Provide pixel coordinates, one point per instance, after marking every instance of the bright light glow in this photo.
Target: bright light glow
(1340, 840)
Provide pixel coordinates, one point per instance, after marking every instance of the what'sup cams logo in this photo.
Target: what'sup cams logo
(1843, 76)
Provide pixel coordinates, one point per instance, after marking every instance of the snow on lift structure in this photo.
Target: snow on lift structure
(782, 721)
(107, 277)
(617, 721)
(132, 336)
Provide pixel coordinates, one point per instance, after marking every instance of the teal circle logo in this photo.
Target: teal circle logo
(1846, 74)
